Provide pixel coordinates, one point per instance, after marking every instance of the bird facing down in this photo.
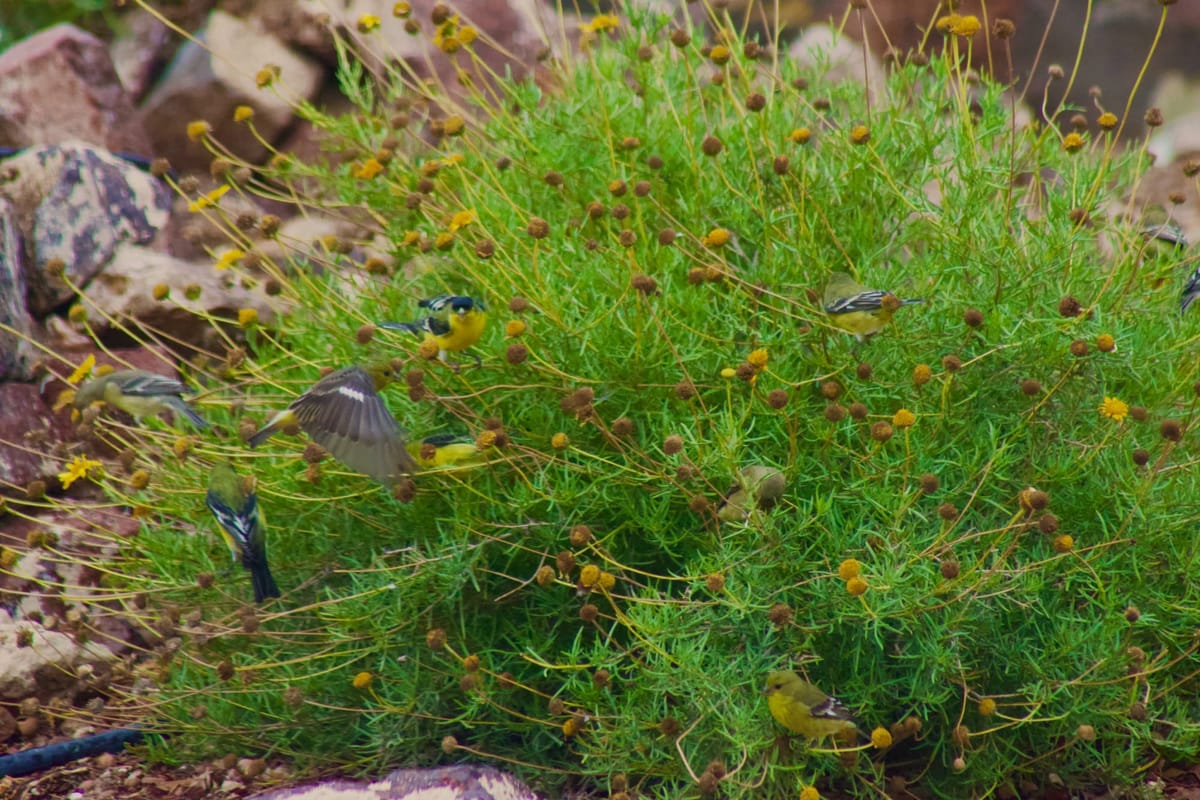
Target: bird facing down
(803, 708)
(236, 511)
(757, 487)
(455, 322)
(344, 413)
(858, 310)
(140, 393)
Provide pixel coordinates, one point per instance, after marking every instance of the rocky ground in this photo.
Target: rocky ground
(74, 213)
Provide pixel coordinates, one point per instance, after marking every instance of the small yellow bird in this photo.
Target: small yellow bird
(757, 487)
(454, 324)
(344, 413)
(140, 393)
(858, 310)
(446, 450)
(803, 708)
(236, 511)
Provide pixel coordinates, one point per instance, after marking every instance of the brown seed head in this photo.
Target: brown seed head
(949, 569)
(538, 228)
(1141, 457)
(711, 145)
(858, 411)
(835, 412)
(881, 431)
(863, 371)
(948, 511)
(1069, 307)
(1171, 430)
(1004, 28)
(928, 483)
(1030, 387)
(1154, 117)
(780, 614)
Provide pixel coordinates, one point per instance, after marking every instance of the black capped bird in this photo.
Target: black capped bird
(140, 393)
(858, 310)
(344, 413)
(454, 324)
(234, 503)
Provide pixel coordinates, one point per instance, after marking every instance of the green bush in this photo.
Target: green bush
(1024, 555)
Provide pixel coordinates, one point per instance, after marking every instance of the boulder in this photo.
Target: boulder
(15, 352)
(29, 431)
(75, 204)
(60, 85)
(458, 782)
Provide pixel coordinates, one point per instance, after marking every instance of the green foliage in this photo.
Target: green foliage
(24, 17)
(477, 608)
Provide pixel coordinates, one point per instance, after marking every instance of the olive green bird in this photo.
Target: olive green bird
(236, 511)
(344, 413)
(139, 393)
(857, 309)
(757, 487)
(803, 708)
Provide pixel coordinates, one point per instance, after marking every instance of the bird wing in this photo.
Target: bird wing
(869, 300)
(1190, 292)
(343, 413)
(436, 304)
(150, 384)
(831, 708)
(239, 523)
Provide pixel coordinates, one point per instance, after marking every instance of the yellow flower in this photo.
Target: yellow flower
(514, 327)
(758, 358)
(467, 34)
(717, 237)
(1072, 142)
(881, 738)
(856, 586)
(198, 129)
(368, 23)
(1114, 409)
(366, 170)
(810, 793)
(410, 238)
(589, 575)
(462, 219)
(208, 199)
(247, 317)
(83, 370)
(401, 10)
(1107, 121)
(728, 372)
(860, 134)
(1064, 543)
(266, 76)
(80, 467)
(362, 680)
(904, 418)
(243, 113)
(559, 441)
(987, 707)
(601, 23)
(966, 26)
(850, 568)
(800, 135)
(947, 23)
(229, 258)
(606, 581)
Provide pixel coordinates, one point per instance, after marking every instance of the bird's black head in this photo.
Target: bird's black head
(461, 304)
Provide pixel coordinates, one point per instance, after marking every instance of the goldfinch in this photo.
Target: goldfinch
(235, 507)
(858, 310)
(140, 393)
(756, 487)
(1190, 292)
(445, 450)
(454, 324)
(344, 413)
(803, 708)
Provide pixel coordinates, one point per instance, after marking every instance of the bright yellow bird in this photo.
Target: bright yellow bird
(344, 413)
(803, 708)
(858, 310)
(454, 324)
(140, 393)
(446, 450)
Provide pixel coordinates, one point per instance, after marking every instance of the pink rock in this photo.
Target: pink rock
(60, 84)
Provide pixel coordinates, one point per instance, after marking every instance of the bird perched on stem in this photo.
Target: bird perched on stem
(140, 393)
(757, 487)
(235, 507)
(858, 310)
(344, 413)
(803, 708)
(446, 450)
(454, 324)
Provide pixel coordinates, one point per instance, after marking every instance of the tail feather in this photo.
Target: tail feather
(261, 436)
(410, 327)
(262, 581)
(182, 407)
(912, 301)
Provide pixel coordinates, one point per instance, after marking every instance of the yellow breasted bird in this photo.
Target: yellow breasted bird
(858, 310)
(236, 510)
(140, 393)
(757, 487)
(803, 708)
(446, 450)
(344, 413)
(454, 324)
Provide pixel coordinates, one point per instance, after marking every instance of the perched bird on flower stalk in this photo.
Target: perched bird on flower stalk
(757, 487)
(454, 324)
(140, 393)
(344, 413)
(446, 450)
(234, 503)
(803, 708)
(858, 310)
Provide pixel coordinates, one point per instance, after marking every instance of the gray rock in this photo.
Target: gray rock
(210, 77)
(76, 203)
(15, 356)
(142, 45)
(28, 432)
(458, 782)
(60, 85)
